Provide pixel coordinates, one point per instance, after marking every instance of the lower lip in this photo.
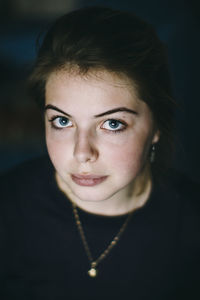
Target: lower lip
(88, 181)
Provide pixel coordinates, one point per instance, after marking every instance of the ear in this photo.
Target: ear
(156, 137)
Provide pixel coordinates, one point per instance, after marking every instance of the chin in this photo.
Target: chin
(91, 196)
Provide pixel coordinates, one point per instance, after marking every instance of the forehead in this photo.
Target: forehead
(95, 89)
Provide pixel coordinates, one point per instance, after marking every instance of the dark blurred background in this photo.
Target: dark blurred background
(177, 23)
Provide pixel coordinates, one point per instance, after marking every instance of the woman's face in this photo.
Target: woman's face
(98, 134)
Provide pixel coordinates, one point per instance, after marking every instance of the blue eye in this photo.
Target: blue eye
(114, 125)
(63, 121)
(60, 122)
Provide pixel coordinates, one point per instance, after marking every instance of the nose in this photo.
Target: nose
(84, 149)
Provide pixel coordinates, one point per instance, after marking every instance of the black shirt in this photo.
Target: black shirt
(42, 255)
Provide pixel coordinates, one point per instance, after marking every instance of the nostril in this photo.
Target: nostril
(85, 152)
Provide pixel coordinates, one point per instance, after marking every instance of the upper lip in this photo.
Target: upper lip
(89, 176)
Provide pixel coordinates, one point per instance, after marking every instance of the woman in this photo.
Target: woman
(105, 219)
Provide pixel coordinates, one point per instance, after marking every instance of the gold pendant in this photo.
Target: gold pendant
(92, 272)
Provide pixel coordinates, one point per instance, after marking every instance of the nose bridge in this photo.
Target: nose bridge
(84, 148)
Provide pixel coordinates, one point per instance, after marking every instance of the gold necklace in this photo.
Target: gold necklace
(94, 263)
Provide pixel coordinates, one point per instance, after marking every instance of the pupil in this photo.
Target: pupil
(62, 121)
(113, 124)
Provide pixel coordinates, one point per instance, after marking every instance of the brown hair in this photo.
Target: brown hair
(117, 41)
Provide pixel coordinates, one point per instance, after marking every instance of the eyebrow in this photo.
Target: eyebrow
(118, 109)
(109, 112)
(49, 106)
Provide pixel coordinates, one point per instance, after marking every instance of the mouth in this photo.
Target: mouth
(88, 180)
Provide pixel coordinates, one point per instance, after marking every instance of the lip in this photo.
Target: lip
(88, 180)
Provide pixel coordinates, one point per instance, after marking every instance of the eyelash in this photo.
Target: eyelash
(110, 131)
(55, 118)
(117, 130)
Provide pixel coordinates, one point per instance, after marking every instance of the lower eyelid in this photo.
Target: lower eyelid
(123, 128)
(118, 130)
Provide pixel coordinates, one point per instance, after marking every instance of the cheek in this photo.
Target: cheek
(130, 156)
(58, 150)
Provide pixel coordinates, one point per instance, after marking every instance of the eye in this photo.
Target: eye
(114, 125)
(60, 122)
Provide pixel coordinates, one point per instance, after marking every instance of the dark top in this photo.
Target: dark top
(42, 255)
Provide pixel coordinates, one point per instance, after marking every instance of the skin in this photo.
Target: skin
(86, 144)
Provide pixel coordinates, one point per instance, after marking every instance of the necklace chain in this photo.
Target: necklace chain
(93, 271)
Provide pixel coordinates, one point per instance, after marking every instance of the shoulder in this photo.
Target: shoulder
(26, 170)
(188, 192)
(189, 198)
(180, 198)
(182, 187)
(188, 211)
(27, 177)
